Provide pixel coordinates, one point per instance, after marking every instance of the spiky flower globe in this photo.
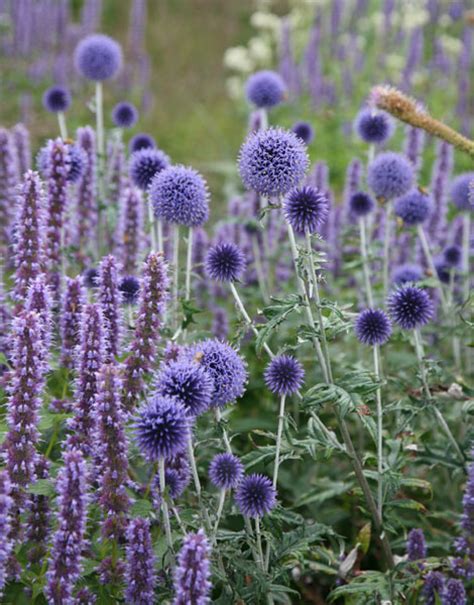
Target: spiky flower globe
(284, 375)
(414, 207)
(57, 99)
(272, 161)
(225, 471)
(361, 203)
(407, 273)
(373, 327)
(141, 141)
(442, 271)
(145, 164)
(162, 428)
(98, 57)
(452, 255)
(255, 496)
(410, 307)
(124, 115)
(129, 288)
(180, 195)
(189, 383)
(306, 209)
(91, 277)
(225, 262)
(460, 195)
(265, 89)
(374, 126)
(390, 175)
(303, 131)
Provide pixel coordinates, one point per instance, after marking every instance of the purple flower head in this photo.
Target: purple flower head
(361, 203)
(306, 209)
(407, 273)
(304, 131)
(87, 208)
(452, 255)
(265, 89)
(414, 207)
(180, 195)
(6, 544)
(224, 365)
(109, 298)
(77, 160)
(192, 575)
(373, 327)
(57, 99)
(91, 277)
(188, 383)
(433, 587)
(141, 141)
(442, 271)
(390, 175)
(225, 262)
(454, 593)
(145, 164)
(39, 516)
(21, 139)
(8, 181)
(140, 564)
(72, 305)
(460, 191)
(175, 483)
(162, 428)
(130, 235)
(124, 115)
(374, 126)
(225, 471)
(129, 288)
(255, 496)
(272, 161)
(416, 545)
(410, 307)
(98, 57)
(284, 375)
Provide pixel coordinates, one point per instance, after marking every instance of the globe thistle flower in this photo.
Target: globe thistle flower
(284, 375)
(225, 262)
(361, 204)
(442, 271)
(141, 141)
(390, 175)
(162, 428)
(69, 537)
(130, 233)
(303, 131)
(140, 575)
(38, 516)
(180, 195)
(76, 162)
(459, 192)
(109, 298)
(410, 307)
(272, 161)
(72, 305)
(225, 471)
(129, 288)
(373, 327)
(22, 145)
(6, 544)
(87, 204)
(57, 99)
(414, 207)
(265, 89)
(224, 365)
(433, 587)
(8, 180)
(124, 115)
(91, 278)
(416, 545)
(306, 209)
(452, 255)
(192, 575)
(454, 593)
(145, 164)
(374, 126)
(407, 273)
(98, 57)
(188, 383)
(255, 496)
(175, 483)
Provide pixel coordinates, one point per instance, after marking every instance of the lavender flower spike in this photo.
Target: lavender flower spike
(38, 522)
(6, 544)
(140, 572)
(72, 305)
(39, 300)
(8, 176)
(465, 544)
(68, 540)
(192, 577)
(21, 140)
(109, 297)
(130, 234)
(87, 208)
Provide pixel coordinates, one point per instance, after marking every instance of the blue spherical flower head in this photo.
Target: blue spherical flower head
(162, 428)
(129, 288)
(180, 195)
(304, 131)
(374, 126)
(145, 164)
(57, 99)
(225, 367)
(306, 209)
(461, 195)
(284, 375)
(390, 175)
(255, 496)
(141, 141)
(91, 277)
(265, 89)
(442, 271)
(373, 327)
(407, 274)
(410, 307)
(225, 471)
(414, 207)
(272, 161)
(452, 255)
(361, 203)
(189, 383)
(98, 57)
(225, 262)
(124, 115)
(77, 163)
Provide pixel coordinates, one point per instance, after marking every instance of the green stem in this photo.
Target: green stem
(378, 395)
(281, 422)
(189, 264)
(151, 223)
(62, 125)
(431, 266)
(386, 246)
(164, 504)
(365, 261)
(220, 508)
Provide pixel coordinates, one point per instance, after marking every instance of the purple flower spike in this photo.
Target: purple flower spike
(72, 305)
(465, 544)
(22, 144)
(284, 375)
(39, 516)
(68, 540)
(130, 233)
(140, 566)
(87, 208)
(98, 57)
(416, 545)
(454, 593)
(373, 327)
(433, 587)
(255, 496)
(6, 544)
(39, 300)
(109, 297)
(192, 576)
(8, 180)
(225, 471)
